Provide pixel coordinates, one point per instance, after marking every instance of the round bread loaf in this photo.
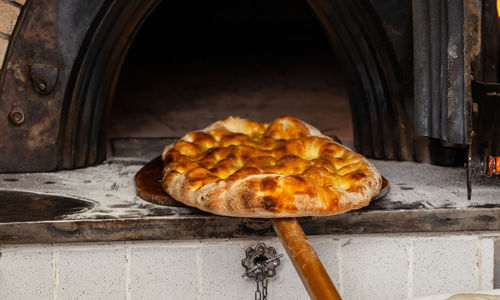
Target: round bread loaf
(238, 167)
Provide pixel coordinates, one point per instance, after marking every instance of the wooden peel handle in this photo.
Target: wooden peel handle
(304, 258)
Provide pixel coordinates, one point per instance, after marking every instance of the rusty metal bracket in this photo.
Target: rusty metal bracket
(43, 78)
(36, 78)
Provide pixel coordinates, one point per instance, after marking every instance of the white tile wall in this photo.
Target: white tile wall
(374, 268)
(26, 273)
(221, 271)
(445, 265)
(327, 249)
(496, 263)
(361, 266)
(286, 284)
(486, 263)
(165, 270)
(96, 272)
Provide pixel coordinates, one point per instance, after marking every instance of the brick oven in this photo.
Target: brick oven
(90, 91)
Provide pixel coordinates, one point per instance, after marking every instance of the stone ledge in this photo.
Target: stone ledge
(423, 198)
(200, 227)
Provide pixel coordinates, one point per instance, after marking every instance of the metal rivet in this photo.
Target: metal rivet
(16, 117)
(42, 86)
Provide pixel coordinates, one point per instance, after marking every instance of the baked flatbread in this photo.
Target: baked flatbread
(238, 167)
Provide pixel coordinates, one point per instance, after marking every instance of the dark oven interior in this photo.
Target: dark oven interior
(194, 63)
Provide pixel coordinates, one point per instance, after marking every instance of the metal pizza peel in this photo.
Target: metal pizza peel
(307, 264)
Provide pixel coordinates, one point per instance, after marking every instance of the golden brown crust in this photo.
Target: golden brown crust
(237, 167)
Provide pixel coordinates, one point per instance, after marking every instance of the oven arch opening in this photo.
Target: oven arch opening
(381, 123)
(243, 58)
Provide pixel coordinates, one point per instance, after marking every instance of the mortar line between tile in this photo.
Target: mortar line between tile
(128, 292)
(55, 268)
(340, 267)
(410, 268)
(479, 264)
(198, 272)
